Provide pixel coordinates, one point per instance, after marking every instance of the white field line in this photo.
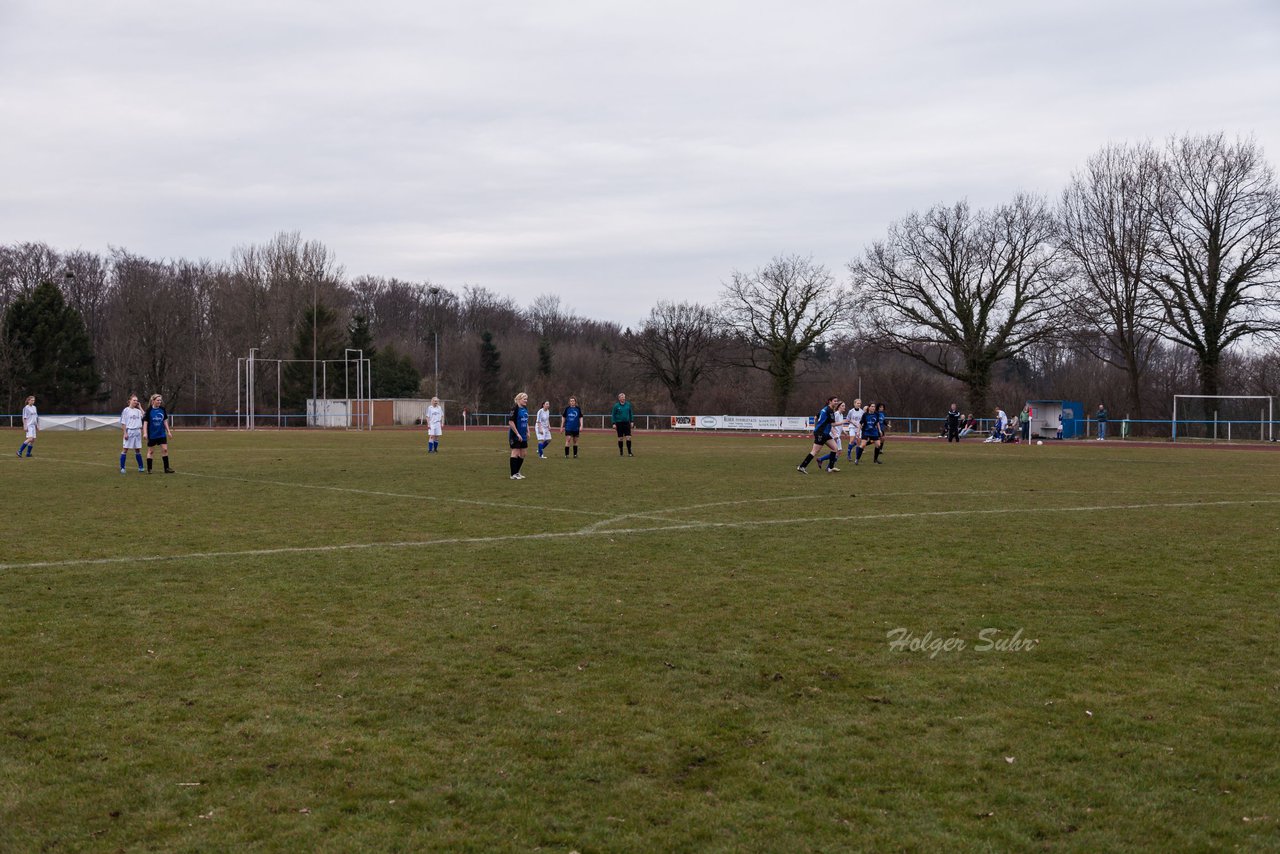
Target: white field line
(660, 514)
(351, 489)
(223, 452)
(473, 501)
(584, 532)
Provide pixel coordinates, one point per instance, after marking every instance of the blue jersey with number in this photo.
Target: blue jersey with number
(572, 419)
(156, 416)
(520, 415)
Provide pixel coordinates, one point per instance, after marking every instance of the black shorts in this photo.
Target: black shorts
(516, 443)
(623, 428)
(571, 434)
(872, 437)
(163, 440)
(821, 438)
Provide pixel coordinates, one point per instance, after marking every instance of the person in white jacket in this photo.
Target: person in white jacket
(853, 425)
(543, 429)
(997, 432)
(131, 432)
(31, 424)
(435, 424)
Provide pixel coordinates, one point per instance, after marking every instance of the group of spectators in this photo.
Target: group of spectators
(957, 425)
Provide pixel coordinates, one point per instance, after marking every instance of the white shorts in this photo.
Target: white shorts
(133, 439)
(31, 432)
(433, 430)
(543, 434)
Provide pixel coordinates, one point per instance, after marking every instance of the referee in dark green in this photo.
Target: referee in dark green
(622, 418)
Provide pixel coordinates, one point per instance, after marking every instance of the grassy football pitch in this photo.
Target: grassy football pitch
(332, 641)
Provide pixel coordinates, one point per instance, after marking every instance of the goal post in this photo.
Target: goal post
(260, 392)
(1248, 416)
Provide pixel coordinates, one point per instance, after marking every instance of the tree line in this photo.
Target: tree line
(1155, 271)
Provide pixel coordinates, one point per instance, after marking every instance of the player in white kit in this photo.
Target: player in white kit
(839, 426)
(543, 428)
(131, 432)
(30, 423)
(854, 424)
(435, 423)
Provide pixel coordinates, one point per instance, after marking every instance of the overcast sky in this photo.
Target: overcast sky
(614, 154)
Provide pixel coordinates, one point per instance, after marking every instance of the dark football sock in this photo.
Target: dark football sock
(519, 464)
(807, 459)
(628, 446)
(566, 450)
(857, 455)
(149, 461)
(575, 451)
(165, 460)
(619, 447)
(513, 465)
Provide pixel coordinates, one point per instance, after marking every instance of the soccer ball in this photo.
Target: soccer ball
(1039, 441)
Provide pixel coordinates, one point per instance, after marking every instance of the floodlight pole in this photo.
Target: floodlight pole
(435, 324)
(315, 306)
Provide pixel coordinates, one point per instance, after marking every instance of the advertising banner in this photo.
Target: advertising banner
(741, 422)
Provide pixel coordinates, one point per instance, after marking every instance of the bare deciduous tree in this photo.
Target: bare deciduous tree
(675, 347)
(778, 312)
(963, 290)
(481, 309)
(23, 267)
(1218, 211)
(280, 279)
(550, 318)
(1109, 231)
(154, 330)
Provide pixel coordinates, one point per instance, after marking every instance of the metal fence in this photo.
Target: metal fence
(1188, 430)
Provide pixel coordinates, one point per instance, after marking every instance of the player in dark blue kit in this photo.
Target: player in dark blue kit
(518, 433)
(822, 427)
(872, 431)
(156, 429)
(571, 421)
